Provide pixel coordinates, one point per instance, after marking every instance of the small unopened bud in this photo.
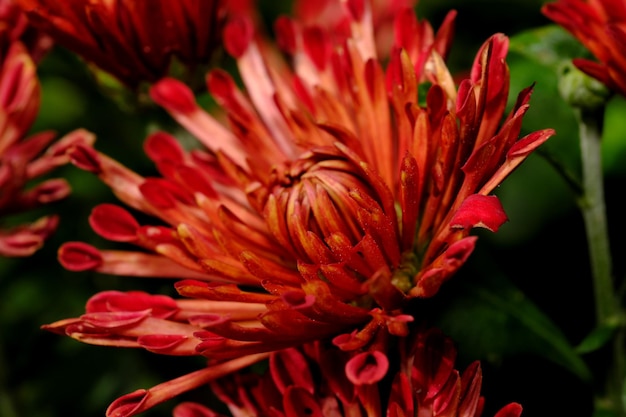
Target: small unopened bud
(580, 90)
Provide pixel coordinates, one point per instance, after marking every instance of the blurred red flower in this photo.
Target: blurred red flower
(600, 25)
(22, 158)
(134, 41)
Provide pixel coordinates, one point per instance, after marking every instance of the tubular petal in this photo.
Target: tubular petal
(367, 368)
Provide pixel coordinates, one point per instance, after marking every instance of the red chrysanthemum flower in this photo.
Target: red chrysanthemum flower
(134, 41)
(22, 159)
(336, 194)
(600, 25)
(310, 382)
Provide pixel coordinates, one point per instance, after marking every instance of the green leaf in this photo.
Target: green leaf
(598, 338)
(491, 319)
(549, 45)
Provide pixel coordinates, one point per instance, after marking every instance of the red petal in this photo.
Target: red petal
(317, 47)
(174, 96)
(161, 146)
(221, 85)
(128, 405)
(238, 34)
(367, 368)
(479, 211)
(85, 158)
(79, 256)
(510, 410)
(164, 194)
(114, 223)
(189, 409)
(161, 306)
(161, 343)
(285, 33)
(289, 368)
(108, 320)
(357, 9)
(298, 402)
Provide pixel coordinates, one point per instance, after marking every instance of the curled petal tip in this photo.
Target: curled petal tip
(79, 256)
(510, 410)
(173, 95)
(479, 211)
(206, 321)
(367, 368)
(114, 223)
(115, 320)
(220, 84)
(85, 157)
(128, 405)
(51, 191)
(21, 245)
(356, 8)
(238, 34)
(161, 343)
(24, 241)
(298, 299)
(189, 409)
(70, 140)
(529, 143)
(161, 146)
(285, 31)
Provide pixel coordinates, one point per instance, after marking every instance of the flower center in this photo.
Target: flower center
(312, 204)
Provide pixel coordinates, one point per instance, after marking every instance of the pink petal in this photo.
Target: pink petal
(367, 368)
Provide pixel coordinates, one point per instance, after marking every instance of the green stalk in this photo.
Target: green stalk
(588, 97)
(593, 209)
(592, 206)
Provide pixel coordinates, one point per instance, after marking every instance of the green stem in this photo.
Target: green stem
(594, 213)
(592, 205)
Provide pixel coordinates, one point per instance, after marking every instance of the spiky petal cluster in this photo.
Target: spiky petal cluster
(600, 25)
(134, 41)
(335, 193)
(22, 158)
(308, 381)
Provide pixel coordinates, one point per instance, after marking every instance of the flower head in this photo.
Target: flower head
(308, 381)
(600, 25)
(335, 194)
(22, 158)
(136, 41)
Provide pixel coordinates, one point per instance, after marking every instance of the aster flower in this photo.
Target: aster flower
(600, 25)
(308, 381)
(23, 158)
(334, 196)
(137, 41)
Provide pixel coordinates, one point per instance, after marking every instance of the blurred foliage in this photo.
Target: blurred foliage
(520, 305)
